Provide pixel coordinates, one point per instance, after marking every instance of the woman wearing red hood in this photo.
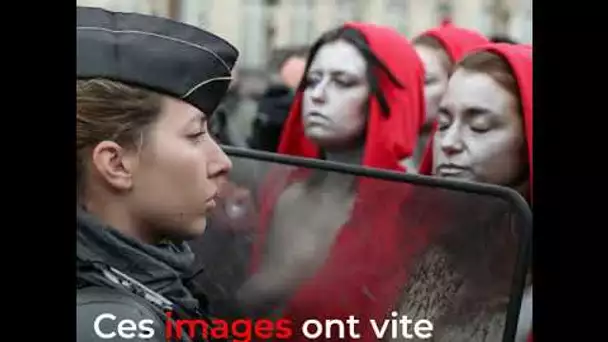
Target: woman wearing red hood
(366, 83)
(485, 119)
(484, 135)
(328, 247)
(439, 49)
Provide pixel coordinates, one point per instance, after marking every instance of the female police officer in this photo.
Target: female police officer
(147, 171)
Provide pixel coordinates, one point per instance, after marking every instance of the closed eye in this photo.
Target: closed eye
(480, 127)
(479, 119)
(312, 79)
(345, 83)
(344, 79)
(444, 119)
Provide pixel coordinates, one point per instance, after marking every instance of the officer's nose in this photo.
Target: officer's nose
(219, 164)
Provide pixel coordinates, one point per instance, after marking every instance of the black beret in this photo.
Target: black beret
(159, 54)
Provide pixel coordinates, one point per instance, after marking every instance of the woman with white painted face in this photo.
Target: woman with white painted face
(439, 49)
(356, 87)
(361, 102)
(484, 135)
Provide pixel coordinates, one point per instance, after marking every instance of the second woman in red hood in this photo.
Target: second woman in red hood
(484, 135)
(439, 49)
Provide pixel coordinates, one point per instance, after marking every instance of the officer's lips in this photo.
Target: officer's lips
(210, 202)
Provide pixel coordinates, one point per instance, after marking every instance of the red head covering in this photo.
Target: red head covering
(389, 139)
(519, 58)
(369, 252)
(457, 42)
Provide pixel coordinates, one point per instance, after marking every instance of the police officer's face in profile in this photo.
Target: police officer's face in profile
(334, 107)
(178, 172)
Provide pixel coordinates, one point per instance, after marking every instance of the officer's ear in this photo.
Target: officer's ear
(114, 165)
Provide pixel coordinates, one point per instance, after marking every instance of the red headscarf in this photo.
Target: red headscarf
(389, 139)
(457, 42)
(519, 58)
(365, 269)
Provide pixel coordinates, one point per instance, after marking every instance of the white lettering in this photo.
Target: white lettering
(394, 326)
(318, 327)
(329, 323)
(422, 328)
(124, 326)
(147, 331)
(97, 323)
(404, 325)
(428, 327)
(352, 322)
(379, 332)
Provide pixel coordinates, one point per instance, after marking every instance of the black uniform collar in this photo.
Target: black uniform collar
(161, 267)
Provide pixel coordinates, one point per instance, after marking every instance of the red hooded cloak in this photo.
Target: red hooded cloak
(364, 272)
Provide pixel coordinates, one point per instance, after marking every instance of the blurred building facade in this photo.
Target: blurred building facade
(256, 27)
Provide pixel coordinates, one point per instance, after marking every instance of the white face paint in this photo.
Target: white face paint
(435, 79)
(480, 136)
(334, 106)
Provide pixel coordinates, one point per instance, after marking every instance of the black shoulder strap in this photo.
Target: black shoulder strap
(109, 277)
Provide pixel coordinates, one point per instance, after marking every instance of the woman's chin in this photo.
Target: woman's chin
(317, 132)
(195, 229)
(321, 138)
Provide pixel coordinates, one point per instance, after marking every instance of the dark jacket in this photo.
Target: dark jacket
(273, 109)
(219, 123)
(120, 276)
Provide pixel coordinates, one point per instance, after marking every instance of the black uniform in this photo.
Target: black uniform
(273, 110)
(118, 277)
(130, 280)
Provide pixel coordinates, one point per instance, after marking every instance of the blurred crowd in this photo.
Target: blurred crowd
(253, 115)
